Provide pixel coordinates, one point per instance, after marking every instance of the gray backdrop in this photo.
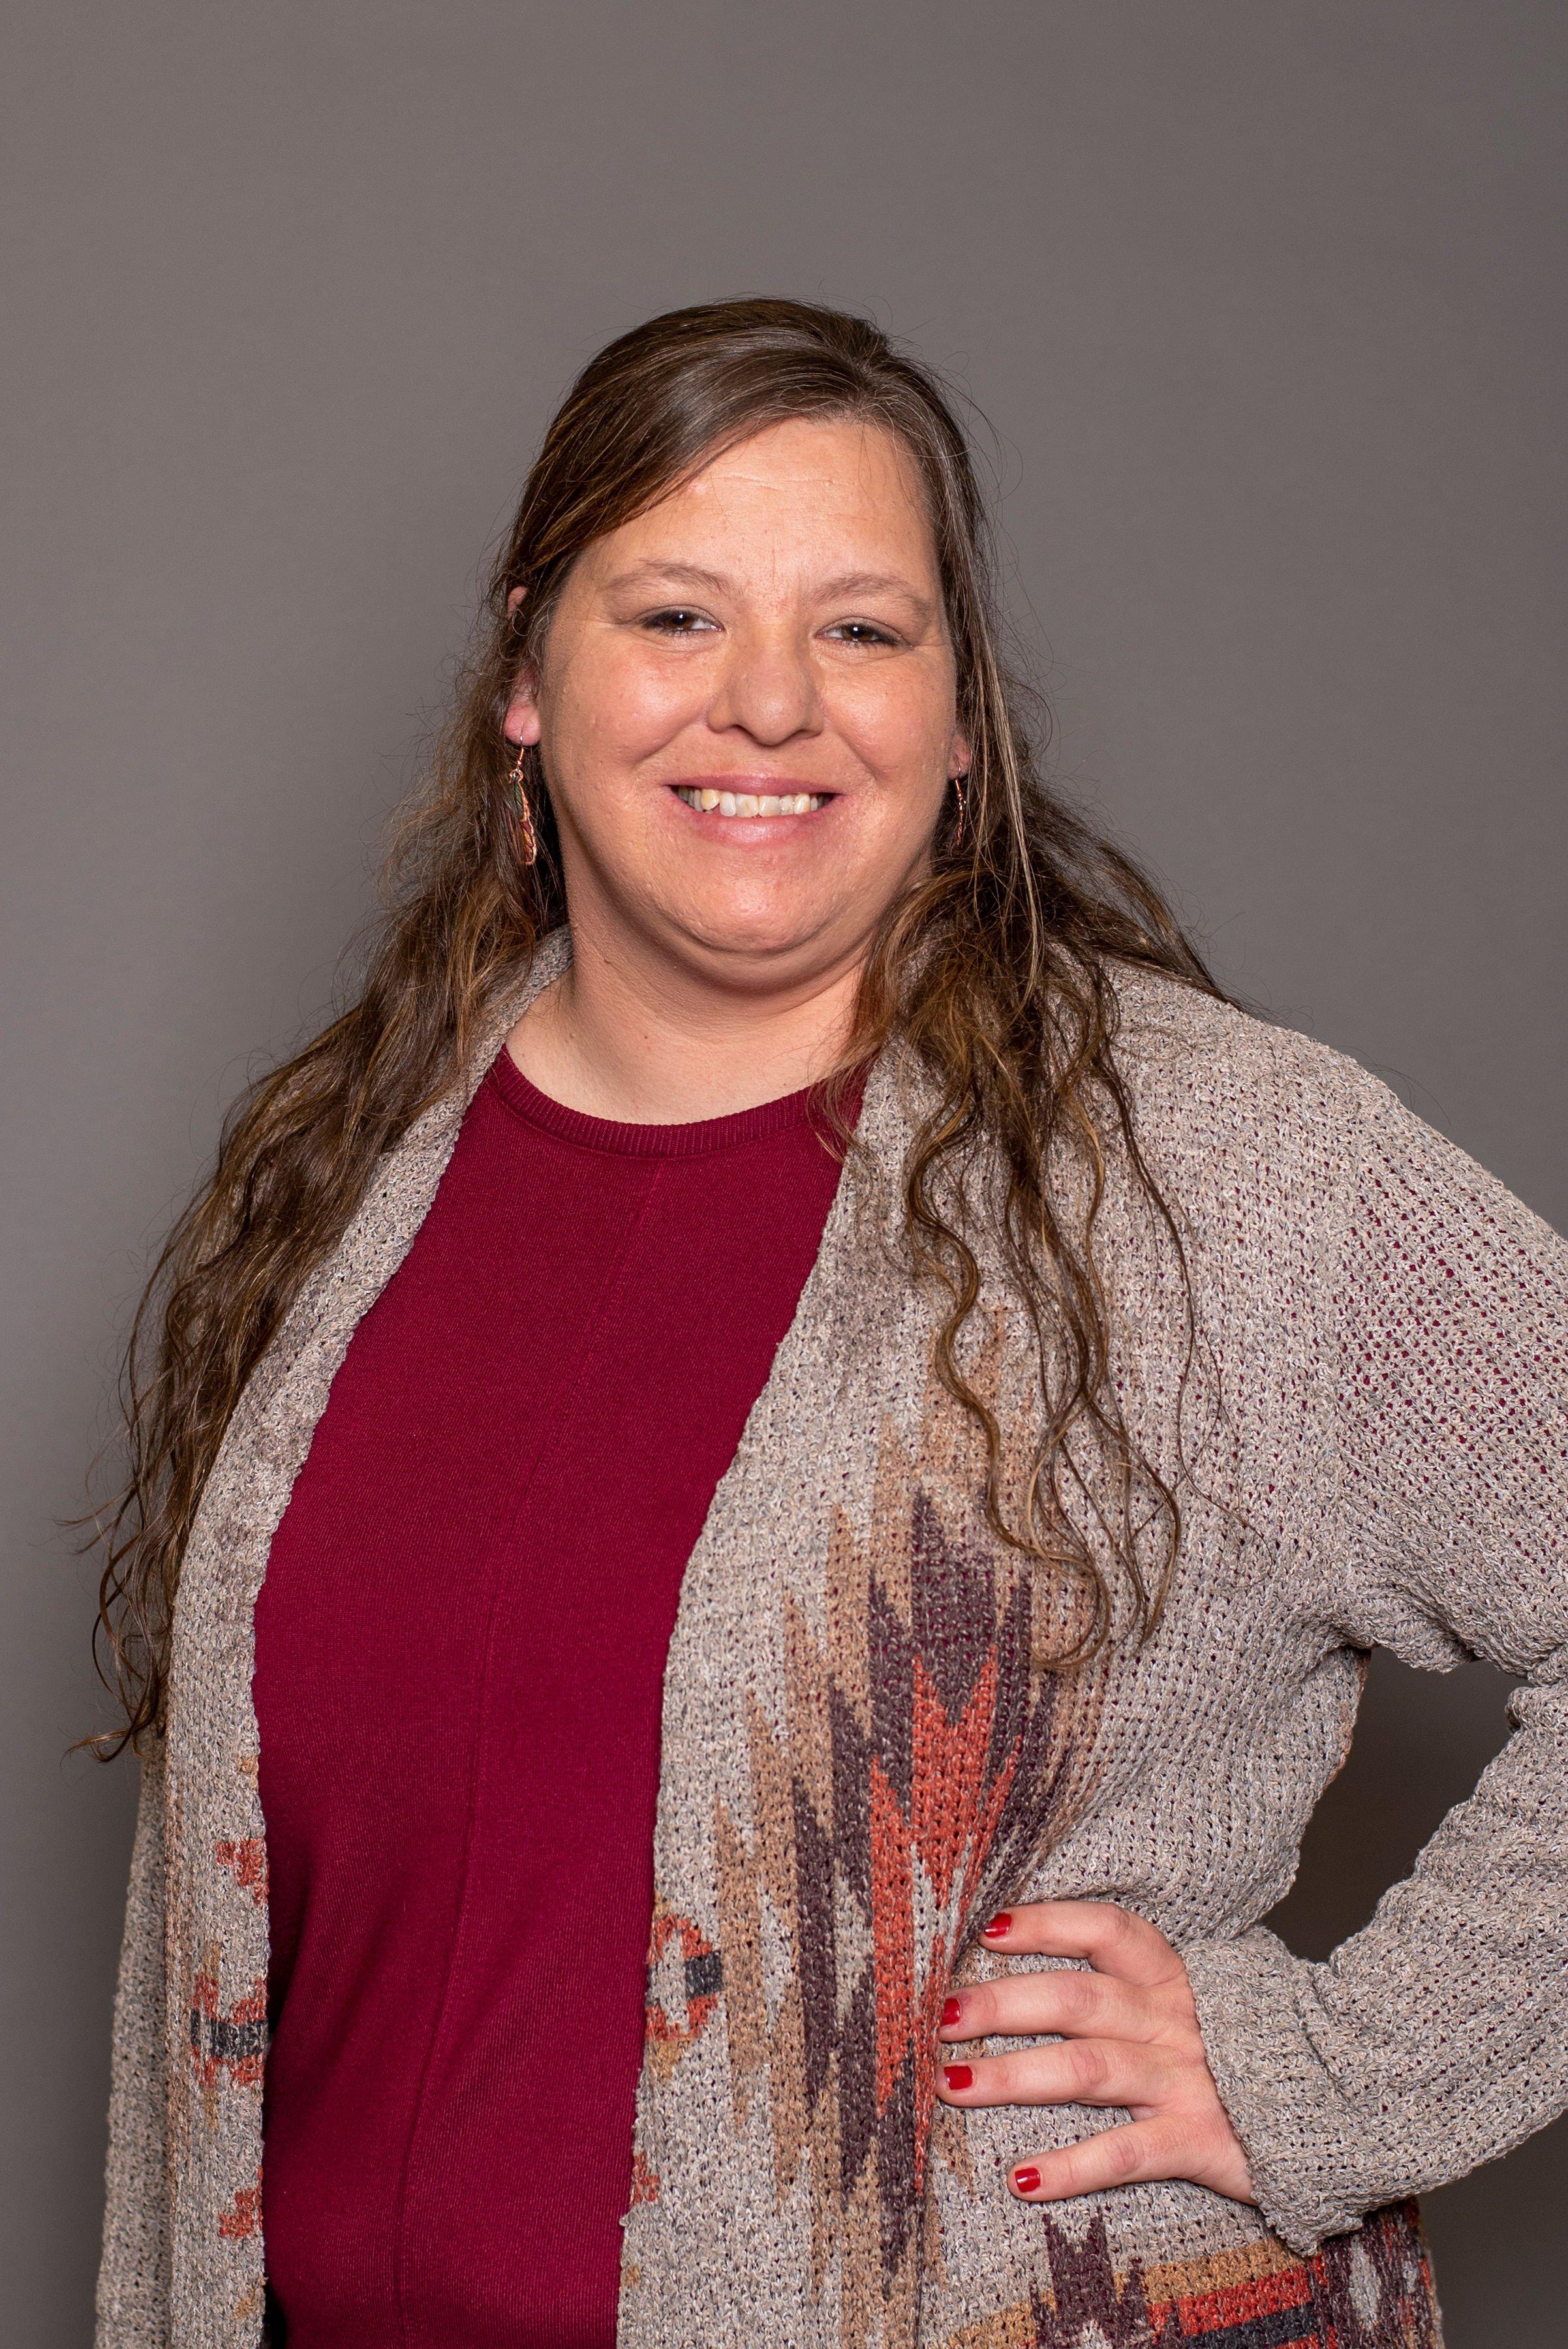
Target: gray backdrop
(1265, 303)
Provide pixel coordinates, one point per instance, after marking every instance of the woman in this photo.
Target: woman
(828, 1427)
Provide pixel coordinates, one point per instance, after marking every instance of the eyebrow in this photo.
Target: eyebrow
(848, 583)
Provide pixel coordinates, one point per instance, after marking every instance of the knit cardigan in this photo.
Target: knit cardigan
(863, 1758)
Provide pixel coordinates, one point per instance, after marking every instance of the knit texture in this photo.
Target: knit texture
(861, 1761)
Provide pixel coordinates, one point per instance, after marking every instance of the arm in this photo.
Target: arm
(1436, 2038)
(133, 2278)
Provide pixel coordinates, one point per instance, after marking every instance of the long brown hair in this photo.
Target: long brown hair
(997, 970)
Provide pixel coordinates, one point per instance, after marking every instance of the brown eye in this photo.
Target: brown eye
(677, 621)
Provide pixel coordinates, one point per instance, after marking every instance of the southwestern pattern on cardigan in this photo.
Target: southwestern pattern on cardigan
(861, 1760)
(922, 1760)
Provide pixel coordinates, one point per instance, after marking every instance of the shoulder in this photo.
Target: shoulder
(1253, 1136)
(1249, 1124)
(1202, 1074)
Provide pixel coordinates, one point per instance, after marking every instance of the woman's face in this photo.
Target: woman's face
(772, 632)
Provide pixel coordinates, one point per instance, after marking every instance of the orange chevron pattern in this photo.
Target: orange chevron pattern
(874, 1847)
(1372, 2290)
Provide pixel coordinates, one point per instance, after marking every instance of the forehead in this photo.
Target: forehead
(813, 488)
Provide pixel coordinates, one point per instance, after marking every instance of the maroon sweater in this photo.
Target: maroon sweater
(460, 1649)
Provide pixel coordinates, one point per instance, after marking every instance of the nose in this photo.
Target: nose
(767, 687)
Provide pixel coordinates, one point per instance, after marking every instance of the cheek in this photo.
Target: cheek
(899, 725)
(612, 706)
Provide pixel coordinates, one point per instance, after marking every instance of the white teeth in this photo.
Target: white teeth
(748, 803)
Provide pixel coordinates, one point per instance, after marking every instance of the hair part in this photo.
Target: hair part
(996, 970)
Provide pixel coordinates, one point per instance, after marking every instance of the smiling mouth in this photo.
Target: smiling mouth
(709, 801)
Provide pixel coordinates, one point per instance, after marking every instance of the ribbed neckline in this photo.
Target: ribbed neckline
(694, 1140)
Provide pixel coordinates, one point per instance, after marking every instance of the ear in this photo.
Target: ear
(521, 725)
(960, 757)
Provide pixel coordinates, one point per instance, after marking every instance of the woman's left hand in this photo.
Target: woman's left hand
(1127, 2035)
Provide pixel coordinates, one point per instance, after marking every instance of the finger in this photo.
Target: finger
(1115, 1940)
(1073, 2004)
(1117, 2156)
(1071, 2072)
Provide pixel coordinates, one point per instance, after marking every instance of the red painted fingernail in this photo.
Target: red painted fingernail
(959, 2076)
(952, 2011)
(1002, 1924)
(1026, 2180)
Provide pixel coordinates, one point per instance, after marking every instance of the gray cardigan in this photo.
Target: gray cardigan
(861, 1761)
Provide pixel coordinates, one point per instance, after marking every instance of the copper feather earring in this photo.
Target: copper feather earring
(522, 814)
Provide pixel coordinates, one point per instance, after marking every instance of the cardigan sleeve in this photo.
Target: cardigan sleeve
(133, 2275)
(1436, 2038)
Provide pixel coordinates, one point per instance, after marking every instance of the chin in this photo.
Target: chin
(766, 934)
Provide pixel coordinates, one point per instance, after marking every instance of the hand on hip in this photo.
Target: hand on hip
(1126, 2034)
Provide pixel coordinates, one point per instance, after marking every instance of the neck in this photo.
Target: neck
(663, 1045)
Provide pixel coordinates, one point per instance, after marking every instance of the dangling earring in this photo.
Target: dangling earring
(958, 795)
(527, 837)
